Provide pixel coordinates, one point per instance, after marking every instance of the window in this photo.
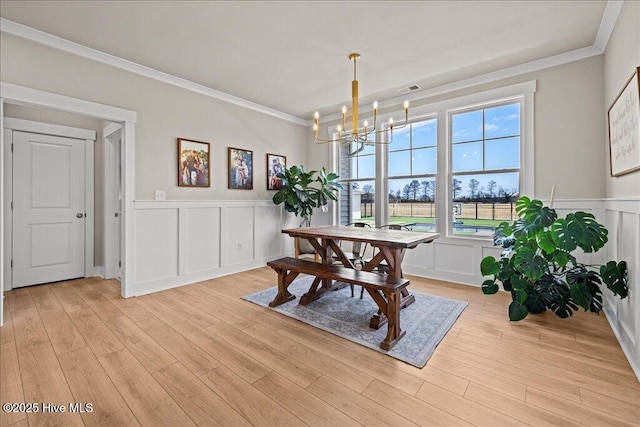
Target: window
(357, 166)
(412, 167)
(485, 166)
(456, 169)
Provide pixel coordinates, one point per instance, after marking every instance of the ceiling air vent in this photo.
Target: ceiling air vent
(409, 89)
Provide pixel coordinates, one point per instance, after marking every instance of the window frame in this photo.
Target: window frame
(441, 112)
(518, 99)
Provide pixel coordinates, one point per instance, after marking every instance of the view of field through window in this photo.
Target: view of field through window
(485, 169)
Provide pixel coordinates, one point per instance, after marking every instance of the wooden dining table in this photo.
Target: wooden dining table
(390, 244)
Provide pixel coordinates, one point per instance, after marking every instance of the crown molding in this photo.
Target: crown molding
(68, 46)
(608, 23)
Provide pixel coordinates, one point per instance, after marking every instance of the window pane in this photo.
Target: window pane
(424, 133)
(502, 121)
(467, 157)
(424, 161)
(502, 153)
(368, 149)
(366, 166)
(412, 203)
(399, 163)
(483, 201)
(357, 202)
(401, 139)
(466, 126)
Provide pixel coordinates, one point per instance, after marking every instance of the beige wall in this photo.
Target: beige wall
(621, 58)
(165, 113)
(568, 128)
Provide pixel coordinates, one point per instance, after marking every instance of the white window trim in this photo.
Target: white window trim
(441, 110)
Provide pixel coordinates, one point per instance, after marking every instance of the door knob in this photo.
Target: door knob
(79, 215)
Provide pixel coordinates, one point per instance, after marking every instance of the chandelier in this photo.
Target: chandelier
(357, 136)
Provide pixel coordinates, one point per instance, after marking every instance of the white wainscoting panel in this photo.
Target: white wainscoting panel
(623, 223)
(494, 251)
(182, 242)
(238, 231)
(455, 258)
(201, 239)
(268, 223)
(156, 244)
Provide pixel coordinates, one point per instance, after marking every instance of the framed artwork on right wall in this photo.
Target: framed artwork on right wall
(624, 128)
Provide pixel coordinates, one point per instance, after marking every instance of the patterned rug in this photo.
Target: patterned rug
(426, 321)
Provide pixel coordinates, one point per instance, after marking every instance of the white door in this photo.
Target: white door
(48, 208)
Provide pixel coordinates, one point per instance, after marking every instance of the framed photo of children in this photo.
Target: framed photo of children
(275, 165)
(193, 163)
(240, 169)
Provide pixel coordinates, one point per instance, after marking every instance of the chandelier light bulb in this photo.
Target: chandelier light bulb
(316, 115)
(356, 134)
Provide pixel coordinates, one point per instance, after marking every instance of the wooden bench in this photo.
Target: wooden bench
(385, 290)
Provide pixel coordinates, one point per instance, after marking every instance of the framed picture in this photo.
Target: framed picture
(193, 163)
(275, 165)
(240, 169)
(624, 128)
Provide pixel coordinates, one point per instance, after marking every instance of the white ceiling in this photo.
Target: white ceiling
(292, 55)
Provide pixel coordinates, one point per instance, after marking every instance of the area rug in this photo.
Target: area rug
(426, 321)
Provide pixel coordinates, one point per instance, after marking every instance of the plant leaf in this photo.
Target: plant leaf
(519, 283)
(489, 266)
(594, 235)
(562, 258)
(522, 204)
(544, 240)
(581, 294)
(535, 303)
(566, 233)
(615, 277)
(517, 311)
(489, 287)
(558, 298)
(533, 266)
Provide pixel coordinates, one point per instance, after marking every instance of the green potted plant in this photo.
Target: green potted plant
(302, 191)
(538, 268)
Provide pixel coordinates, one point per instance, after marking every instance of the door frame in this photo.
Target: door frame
(111, 252)
(89, 137)
(21, 95)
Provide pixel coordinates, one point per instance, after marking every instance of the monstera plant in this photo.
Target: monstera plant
(301, 192)
(538, 267)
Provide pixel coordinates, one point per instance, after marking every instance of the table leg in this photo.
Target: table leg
(394, 258)
(394, 333)
(283, 295)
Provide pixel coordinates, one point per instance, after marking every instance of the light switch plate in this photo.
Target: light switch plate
(160, 195)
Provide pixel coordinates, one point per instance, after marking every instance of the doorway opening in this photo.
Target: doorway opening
(24, 96)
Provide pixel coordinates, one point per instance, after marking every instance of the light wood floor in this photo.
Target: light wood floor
(200, 355)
